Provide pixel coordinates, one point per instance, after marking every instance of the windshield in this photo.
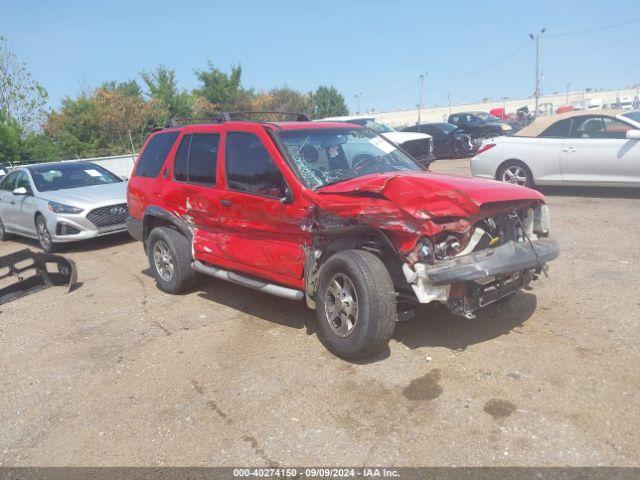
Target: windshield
(633, 115)
(323, 156)
(446, 127)
(62, 176)
(373, 125)
(486, 117)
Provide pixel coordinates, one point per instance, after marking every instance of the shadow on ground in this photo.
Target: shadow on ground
(593, 192)
(90, 245)
(435, 326)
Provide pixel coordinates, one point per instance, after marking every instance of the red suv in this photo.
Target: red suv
(336, 215)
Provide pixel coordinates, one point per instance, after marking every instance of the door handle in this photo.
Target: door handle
(569, 149)
(225, 203)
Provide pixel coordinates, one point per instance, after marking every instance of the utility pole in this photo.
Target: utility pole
(449, 100)
(421, 93)
(537, 94)
(358, 95)
(567, 99)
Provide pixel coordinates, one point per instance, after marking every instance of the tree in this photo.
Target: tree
(129, 88)
(222, 91)
(328, 102)
(282, 99)
(10, 139)
(21, 97)
(163, 88)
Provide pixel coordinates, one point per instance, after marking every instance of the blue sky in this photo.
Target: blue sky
(378, 48)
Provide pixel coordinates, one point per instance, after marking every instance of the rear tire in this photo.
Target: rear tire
(355, 304)
(515, 172)
(169, 254)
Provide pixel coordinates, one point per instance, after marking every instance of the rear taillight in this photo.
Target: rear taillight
(485, 147)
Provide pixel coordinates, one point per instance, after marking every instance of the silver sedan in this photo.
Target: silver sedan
(62, 202)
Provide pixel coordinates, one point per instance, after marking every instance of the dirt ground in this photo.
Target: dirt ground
(119, 373)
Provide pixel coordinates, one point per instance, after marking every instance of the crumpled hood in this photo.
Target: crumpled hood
(86, 197)
(407, 201)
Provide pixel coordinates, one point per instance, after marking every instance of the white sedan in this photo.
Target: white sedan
(576, 148)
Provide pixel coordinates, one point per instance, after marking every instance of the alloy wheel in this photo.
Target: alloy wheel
(163, 260)
(515, 174)
(43, 233)
(341, 305)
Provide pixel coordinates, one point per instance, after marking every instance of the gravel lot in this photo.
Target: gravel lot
(118, 373)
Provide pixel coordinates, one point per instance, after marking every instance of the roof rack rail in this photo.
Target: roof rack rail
(299, 117)
(229, 116)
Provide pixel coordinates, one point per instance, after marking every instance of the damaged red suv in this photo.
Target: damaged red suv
(335, 215)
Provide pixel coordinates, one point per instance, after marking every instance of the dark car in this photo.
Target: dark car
(480, 124)
(448, 140)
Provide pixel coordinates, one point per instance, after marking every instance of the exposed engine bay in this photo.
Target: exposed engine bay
(497, 256)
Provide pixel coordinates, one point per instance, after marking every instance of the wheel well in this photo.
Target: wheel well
(512, 161)
(150, 222)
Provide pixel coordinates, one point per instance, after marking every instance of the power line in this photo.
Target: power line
(487, 67)
(592, 30)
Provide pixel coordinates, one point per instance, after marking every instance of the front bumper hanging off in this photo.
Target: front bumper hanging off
(507, 258)
(16, 265)
(472, 281)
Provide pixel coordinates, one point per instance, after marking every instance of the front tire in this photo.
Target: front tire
(44, 236)
(169, 254)
(355, 304)
(3, 232)
(515, 172)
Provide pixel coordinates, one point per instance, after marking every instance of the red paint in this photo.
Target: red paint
(267, 238)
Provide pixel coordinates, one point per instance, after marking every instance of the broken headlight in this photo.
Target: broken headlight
(425, 251)
(541, 221)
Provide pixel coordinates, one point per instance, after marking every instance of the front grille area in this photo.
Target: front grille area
(109, 216)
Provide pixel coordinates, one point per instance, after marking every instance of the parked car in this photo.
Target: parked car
(62, 202)
(335, 214)
(448, 140)
(575, 148)
(418, 145)
(480, 124)
(632, 117)
(623, 103)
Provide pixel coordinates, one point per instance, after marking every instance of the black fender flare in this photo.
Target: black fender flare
(155, 212)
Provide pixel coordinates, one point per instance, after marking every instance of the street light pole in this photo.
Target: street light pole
(421, 93)
(537, 94)
(567, 99)
(449, 100)
(358, 95)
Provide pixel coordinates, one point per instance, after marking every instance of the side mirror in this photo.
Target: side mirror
(287, 198)
(633, 134)
(20, 191)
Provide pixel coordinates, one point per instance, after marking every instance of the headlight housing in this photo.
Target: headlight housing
(425, 251)
(541, 221)
(56, 207)
(505, 128)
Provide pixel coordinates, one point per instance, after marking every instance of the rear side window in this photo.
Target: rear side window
(557, 130)
(196, 159)
(8, 183)
(154, 155)
(250, 168)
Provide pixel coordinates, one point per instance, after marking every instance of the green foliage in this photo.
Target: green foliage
(222, 91)
(10, 139)
(118, 116)
(21, 97)
(328, 102)
(163, 87)
(130, 88)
